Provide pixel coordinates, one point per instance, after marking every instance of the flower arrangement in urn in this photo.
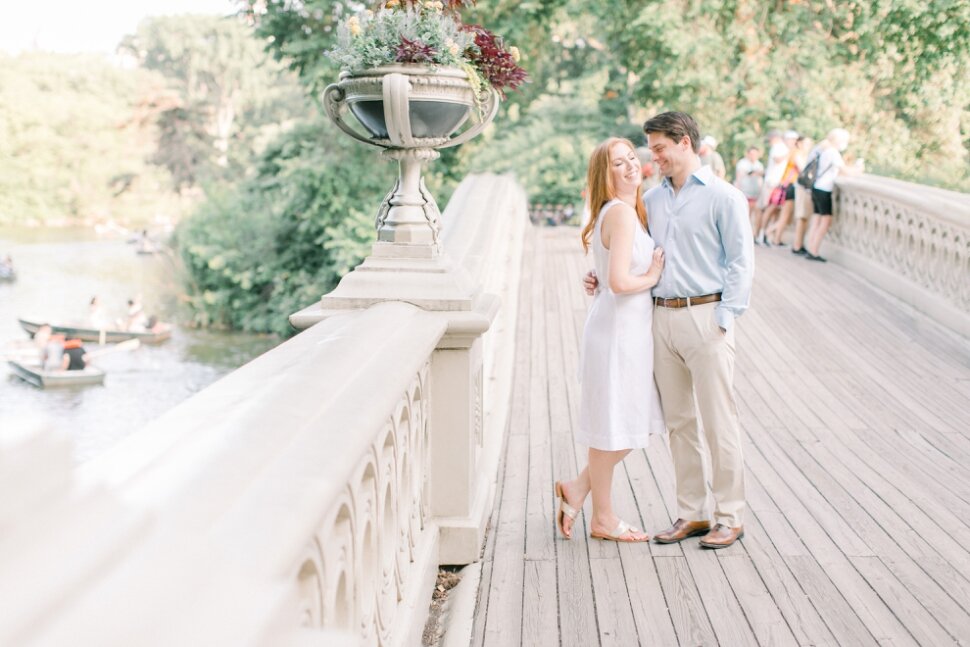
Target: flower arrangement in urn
(431, 33)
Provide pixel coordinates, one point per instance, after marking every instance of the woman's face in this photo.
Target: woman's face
(624, 168)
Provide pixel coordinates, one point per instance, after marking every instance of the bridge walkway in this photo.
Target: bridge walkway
(856, 417)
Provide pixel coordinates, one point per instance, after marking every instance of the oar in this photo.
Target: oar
(19, 351)
(130, 344)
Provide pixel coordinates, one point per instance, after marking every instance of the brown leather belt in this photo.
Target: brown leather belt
(683, 302)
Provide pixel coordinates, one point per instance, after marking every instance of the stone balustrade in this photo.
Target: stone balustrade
(911, 240)
(305, 499)
(294, 492)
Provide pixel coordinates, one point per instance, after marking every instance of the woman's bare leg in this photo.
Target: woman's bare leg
(601, 467)
(786, 212)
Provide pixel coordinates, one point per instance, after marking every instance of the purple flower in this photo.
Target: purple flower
(414, 51)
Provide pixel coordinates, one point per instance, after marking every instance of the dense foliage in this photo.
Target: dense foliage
(72, 149)
(895, 73)
(222, 97)
(273, 245)
(290, 201)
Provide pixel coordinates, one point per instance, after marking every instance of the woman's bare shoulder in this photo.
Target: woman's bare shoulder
(620, 212)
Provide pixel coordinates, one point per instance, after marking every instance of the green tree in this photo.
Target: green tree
(894, 72)
(72, 149)
(222, 91)
(273, 244)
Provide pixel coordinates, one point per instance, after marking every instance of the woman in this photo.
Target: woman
(794, 166)
(620, 407)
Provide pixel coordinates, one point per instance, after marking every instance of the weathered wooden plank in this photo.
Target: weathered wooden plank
(540, 615)
(831, 603)
(847, 445)
(539, 501)
(521, 373)
(759, 608)
(687, 612)
(503, 624)
(787, 594)
(652, 503)
(919, 624)
(650, 613)
(613, 612)
(645, 605)
(577, 610)
(518, 418)
(729, 622)
(879, 620)
(908, 576)
(488, 560)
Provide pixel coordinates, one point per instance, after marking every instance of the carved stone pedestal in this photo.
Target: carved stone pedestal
(425, 277)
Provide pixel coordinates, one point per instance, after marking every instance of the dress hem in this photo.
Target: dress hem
(638, 441)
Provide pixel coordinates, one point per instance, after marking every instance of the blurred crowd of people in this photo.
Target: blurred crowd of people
(795, 182)
(776, 195)
(57, 352)
(793, 185)
(552, 215)
(135, 319)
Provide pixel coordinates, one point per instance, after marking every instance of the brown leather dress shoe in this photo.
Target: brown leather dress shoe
(722, 536)
(682, 530)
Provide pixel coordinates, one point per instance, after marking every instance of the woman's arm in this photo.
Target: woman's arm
(619, 229)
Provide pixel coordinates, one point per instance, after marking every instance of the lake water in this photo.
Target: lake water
(58, 273)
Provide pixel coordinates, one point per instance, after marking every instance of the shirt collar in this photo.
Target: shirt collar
(704, 175)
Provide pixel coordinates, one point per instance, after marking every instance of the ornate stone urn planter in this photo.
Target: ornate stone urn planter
(410, 110)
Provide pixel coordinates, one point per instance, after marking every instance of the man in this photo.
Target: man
(749, 173)
(830, 166)
(75, 357)
(702, 224)
(710, 157)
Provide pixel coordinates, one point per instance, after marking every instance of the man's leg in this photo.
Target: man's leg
(818, 233)
(711, 362)
(801, 228)
(677, 398)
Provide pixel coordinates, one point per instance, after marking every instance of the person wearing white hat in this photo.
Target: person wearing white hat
(770, 201)
(710, 157)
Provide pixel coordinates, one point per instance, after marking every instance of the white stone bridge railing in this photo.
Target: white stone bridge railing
(911, 240)
(305, 499)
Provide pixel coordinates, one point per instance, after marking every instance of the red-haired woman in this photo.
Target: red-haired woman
(620, 407)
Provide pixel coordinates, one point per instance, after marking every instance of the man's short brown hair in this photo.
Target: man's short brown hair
(675, 125)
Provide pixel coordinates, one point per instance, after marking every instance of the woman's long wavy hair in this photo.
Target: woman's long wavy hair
(600, 189)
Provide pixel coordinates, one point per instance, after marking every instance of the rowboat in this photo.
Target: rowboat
(160, 334)
(36, 375)
(147, 247)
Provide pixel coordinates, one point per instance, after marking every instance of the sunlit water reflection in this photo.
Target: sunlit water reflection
(58, 272)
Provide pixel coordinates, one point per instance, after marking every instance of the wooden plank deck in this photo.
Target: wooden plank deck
(856, 413)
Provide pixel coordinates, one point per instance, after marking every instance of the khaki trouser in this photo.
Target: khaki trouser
(693, 357)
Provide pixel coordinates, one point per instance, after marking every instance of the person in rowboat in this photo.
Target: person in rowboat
(75, 357)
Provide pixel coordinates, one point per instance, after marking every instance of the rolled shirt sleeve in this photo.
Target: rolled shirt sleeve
(734, 229)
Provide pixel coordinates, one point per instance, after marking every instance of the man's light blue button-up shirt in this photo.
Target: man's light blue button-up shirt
(706, 236)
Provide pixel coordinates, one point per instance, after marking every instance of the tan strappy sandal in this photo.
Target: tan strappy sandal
(565, 510)
(621, 529)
